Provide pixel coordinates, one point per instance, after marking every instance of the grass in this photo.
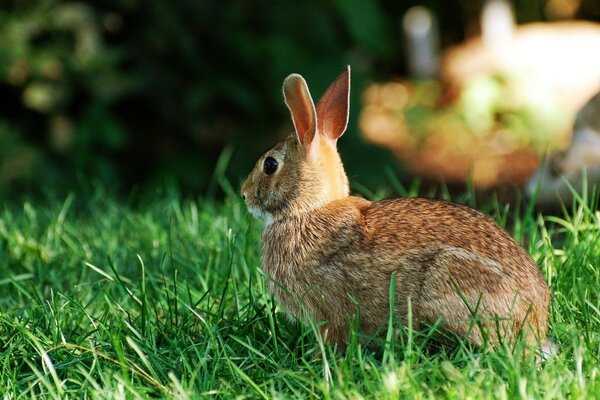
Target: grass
(166, 299)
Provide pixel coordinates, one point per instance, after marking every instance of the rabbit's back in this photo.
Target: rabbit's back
(411, 224)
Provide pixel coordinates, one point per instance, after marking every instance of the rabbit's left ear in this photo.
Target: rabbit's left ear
(334, 107)
(298, 100)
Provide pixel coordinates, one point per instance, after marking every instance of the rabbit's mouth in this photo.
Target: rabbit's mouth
(260, 214)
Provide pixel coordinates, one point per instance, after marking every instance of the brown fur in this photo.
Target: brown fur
(323, 250)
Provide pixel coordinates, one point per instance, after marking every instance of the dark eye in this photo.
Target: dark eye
(270, 166)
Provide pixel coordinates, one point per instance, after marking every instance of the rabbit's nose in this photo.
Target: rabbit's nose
(244, 196)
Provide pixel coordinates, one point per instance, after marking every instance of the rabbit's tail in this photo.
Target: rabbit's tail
(549, 349)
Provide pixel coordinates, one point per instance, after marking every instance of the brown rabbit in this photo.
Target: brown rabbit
(326, 251)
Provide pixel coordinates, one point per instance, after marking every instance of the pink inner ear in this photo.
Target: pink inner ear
(298, 100)
(334, 106)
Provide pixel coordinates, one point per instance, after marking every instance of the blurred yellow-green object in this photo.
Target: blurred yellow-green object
(494, 132)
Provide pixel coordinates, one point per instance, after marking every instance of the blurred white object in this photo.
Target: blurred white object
(563, 58)
(422, 43)
(552, 180)
(497, 23)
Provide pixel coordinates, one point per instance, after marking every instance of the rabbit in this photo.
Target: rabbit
(330, 256)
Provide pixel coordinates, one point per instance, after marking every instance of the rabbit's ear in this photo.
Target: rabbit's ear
(334, 107)
(298, 100)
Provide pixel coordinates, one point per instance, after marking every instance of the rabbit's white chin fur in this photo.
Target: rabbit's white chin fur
(265, 216)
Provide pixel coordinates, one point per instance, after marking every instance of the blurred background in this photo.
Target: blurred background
(135, 93)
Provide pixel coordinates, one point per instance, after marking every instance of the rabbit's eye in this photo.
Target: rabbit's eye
(270, 166)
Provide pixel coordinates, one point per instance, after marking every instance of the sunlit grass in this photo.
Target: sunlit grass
(165, 298)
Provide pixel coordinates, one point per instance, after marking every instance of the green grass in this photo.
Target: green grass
(166, 298)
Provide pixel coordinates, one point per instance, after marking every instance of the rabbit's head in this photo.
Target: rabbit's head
(303, 171)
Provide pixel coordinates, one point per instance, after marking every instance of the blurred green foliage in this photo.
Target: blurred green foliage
(130, 91)
(58, 80)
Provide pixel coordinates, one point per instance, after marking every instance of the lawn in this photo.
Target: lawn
(163, 297)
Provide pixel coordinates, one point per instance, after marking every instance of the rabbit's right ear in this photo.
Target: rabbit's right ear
(298, 100)
(334, 107)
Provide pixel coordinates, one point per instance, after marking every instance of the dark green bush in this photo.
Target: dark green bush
(133, 91)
